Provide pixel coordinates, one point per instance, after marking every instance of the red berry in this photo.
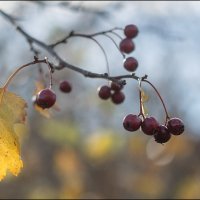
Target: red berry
(149, 125)
(104, 92)
(115, 86)
(162, 134)
(131, 31)
(126, 45)
(46, 98)
(130, 64)
(175, 126)
(132, 122)
(117, 97)
(65, 86)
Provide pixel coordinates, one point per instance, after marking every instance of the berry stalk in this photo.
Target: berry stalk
(166, 113)
(5, 86)
(123, 55)
(50, 72)
(105, 55)
(19, 69)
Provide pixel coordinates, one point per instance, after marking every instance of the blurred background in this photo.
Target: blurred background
(79, 148)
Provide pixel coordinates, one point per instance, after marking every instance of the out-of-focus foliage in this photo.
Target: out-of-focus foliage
(62, 163)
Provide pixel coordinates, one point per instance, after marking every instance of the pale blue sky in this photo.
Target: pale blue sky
(167, 48)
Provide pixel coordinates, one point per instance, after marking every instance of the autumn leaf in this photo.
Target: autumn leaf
(144, 99)
(12, 112)
(144, 95)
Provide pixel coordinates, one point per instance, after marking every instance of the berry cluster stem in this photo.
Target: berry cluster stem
(5, 86)
(50, 72)
(19, 69)
(104, 53)
(108, 36)
(166, 113)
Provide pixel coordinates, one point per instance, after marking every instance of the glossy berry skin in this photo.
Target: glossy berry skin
(65, 86)
(175, 126)
(131, 31)
(130, 64)
(118, 97)
(126, 45)
(162, 134)
(149, 125)
(104, 92)
(132, 122)
(46, 98)
(115, 86)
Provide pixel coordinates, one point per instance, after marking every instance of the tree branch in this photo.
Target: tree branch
(72, 34)
(63, 64)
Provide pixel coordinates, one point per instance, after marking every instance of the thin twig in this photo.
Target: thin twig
(73, 34)
(123, 55)
(167, 115)
(62, 63)
(20, 68)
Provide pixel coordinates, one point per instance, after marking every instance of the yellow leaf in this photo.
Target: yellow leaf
(144, 98)
(12, 112)
(144, 95)
(144, 110)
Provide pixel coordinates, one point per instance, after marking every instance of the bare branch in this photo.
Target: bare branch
(73, 34)
(63, 64)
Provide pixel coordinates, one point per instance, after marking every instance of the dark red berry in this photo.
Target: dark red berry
(131, 31)
(65, 86)
(117, 97)
(162, 134)
(132, 122)
(126, 45)
(149, 125)
(175, 126)
(104, 92)
(46, 98)
(115, 86)
(130, 64)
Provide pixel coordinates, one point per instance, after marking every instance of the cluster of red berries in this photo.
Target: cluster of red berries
(150, 126)
(46, 98)
(113, 92)
(127, 46)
